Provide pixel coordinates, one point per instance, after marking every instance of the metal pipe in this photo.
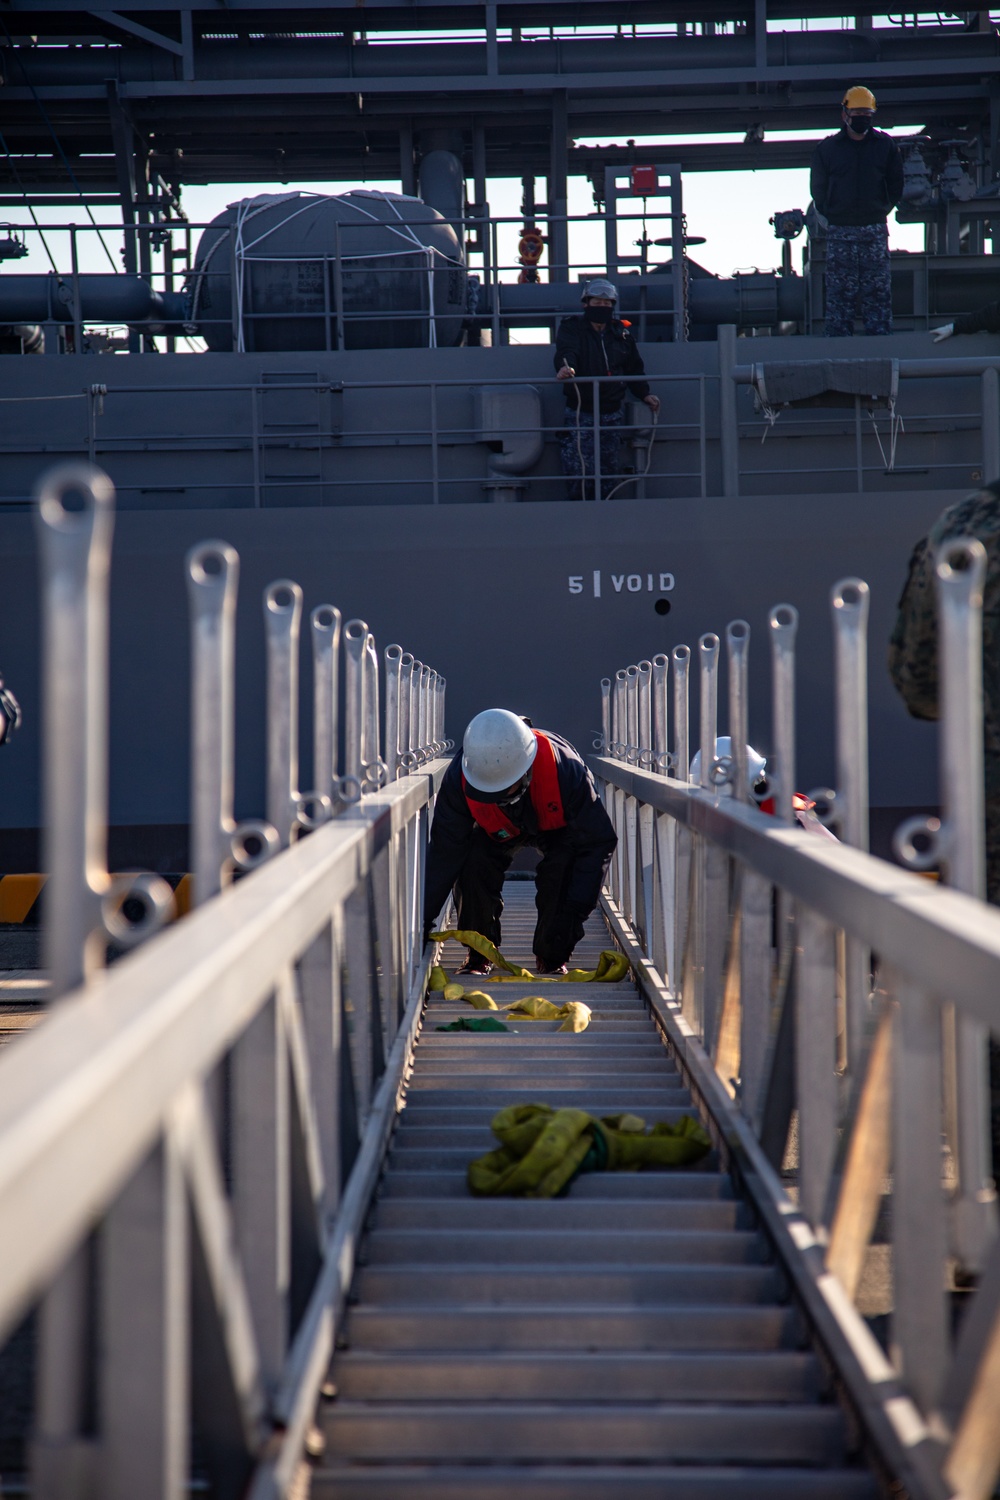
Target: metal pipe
(783, 621)
(418, 711)
(212, 570)
(960, 570)
(661, 671)
(990, 423)
(645, 740)
(738, 652)
(849, 600)
(729, 434)
(74, 517)
(355, 636)
(632, 715)
(282, 617)
(708, 704)
(621, 713)
(84, 906)
(681, 658)
(406, 760)
(425, 710)
(371, 749)
(324, 623)
(605, 716)
(393, 660)
(432, 731)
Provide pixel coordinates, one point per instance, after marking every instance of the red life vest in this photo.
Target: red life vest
(546, 797)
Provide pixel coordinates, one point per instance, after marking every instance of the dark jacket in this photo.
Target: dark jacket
(613, 351)
(856, 182)
(983, 320)
(588, 831)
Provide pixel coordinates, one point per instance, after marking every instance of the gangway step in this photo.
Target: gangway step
(591, 1483)
(682, 1432)
(633, 1340)
(655, 1377)
(582, 1328)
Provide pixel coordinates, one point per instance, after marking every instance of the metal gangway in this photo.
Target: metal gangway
(239, 1255)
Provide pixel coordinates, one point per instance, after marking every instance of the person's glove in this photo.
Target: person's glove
(944, 332)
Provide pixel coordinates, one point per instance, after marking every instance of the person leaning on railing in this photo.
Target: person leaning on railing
(597, 343)
(510, 787)
(913, 666)
(983, 320)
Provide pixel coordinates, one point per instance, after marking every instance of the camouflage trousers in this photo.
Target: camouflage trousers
(570, 454)
(857, 267)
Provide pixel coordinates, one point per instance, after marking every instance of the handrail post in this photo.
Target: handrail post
(355, 637)
(282, 617)
(393, 660)
(324, 622)
(849, 605)
(212, 570)
(784, 623)
(960, 569)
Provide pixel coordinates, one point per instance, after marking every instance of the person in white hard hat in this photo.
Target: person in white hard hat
(803, 808)
(597, 343)
(512, 786)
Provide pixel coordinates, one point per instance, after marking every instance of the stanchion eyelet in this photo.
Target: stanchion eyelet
(252, 843)
(920, 843)
(135, 907)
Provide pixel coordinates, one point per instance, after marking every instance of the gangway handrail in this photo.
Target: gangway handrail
(751, 937)
(190, 1141)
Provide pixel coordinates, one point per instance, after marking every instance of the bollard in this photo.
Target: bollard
(738, 651)
(84, 905)
(708, 705)
(960, 568)
(217, 844)
(784, 622)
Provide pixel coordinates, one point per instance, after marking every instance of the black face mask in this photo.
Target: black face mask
(600, 314)
(861, 124)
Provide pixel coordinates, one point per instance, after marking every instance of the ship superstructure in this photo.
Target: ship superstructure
(329, 380)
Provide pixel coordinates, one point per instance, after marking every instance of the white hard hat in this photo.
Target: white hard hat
(723, 749)
(497, 750)
(601, 287)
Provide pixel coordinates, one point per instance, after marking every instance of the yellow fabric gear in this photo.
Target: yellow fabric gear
(611, 965)
(542, 1149)
(859, 97)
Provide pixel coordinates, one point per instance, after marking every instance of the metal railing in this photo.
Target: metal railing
(754, 937)
(190, 1140)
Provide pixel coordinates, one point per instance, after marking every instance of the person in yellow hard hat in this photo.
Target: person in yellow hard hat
(856, 182)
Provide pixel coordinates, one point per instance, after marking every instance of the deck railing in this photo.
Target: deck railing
(832, 1009)
(189, 1141)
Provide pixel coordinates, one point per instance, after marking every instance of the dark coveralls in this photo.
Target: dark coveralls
(609, 351)
(856, 185)
(463, 857)
(913, 665)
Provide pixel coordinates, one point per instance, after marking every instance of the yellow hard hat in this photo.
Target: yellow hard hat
(859, 97)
